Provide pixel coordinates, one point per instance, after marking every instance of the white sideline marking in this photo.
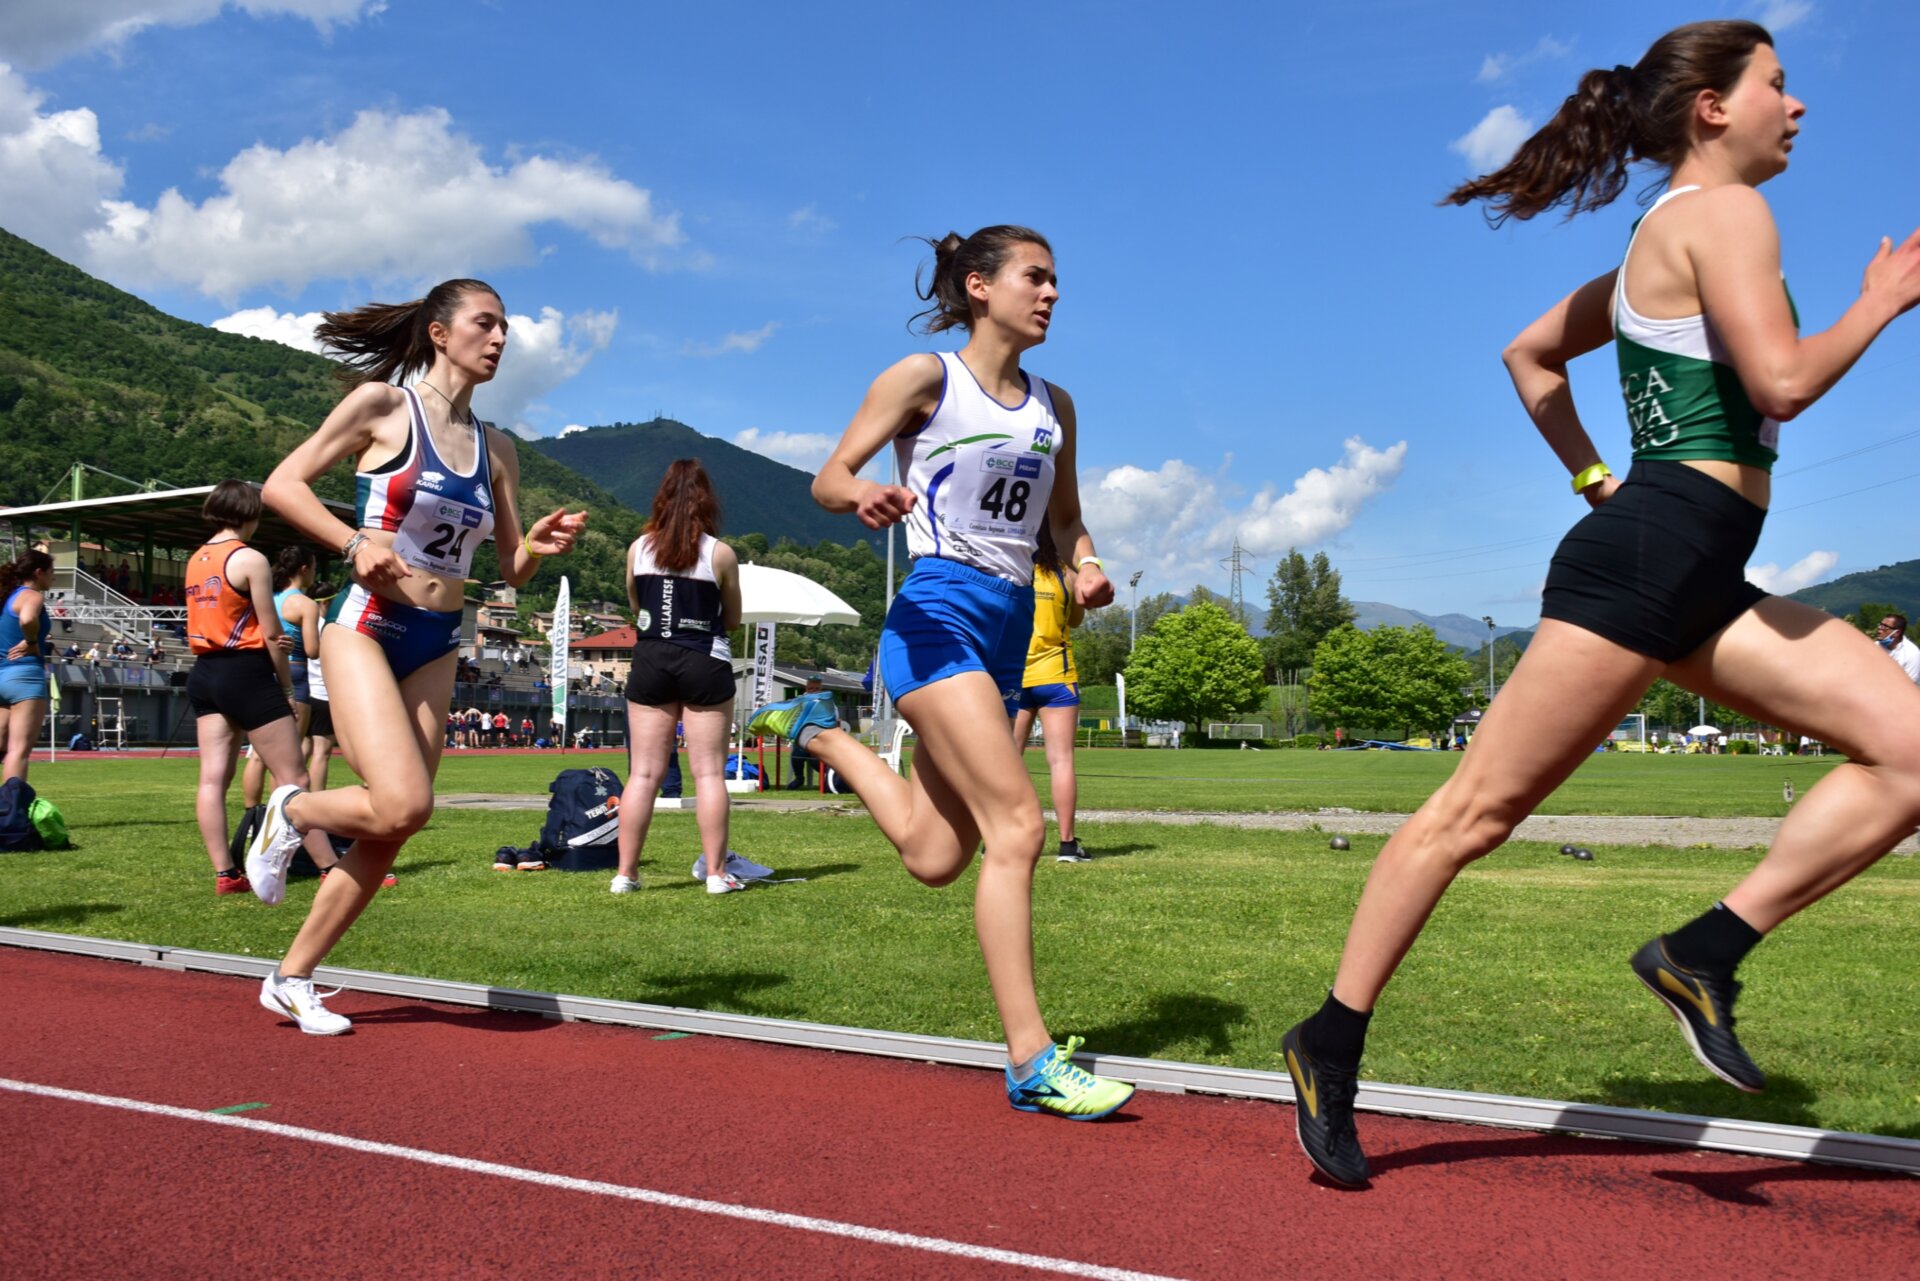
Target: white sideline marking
(773, 1218)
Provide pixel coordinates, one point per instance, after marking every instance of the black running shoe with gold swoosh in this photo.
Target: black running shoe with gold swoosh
(1323, 1113)
(1703, 1003)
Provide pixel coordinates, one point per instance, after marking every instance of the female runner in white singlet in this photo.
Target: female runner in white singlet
(987, 452)
(431, 483)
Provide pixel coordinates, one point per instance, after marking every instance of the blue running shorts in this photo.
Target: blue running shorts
(23, 682)
(950, 618)
(412, 637)
(1034, 697)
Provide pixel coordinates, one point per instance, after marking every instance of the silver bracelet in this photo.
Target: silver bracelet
(353, 545)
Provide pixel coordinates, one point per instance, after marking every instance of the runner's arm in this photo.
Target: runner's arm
(348, 432)
(906, 394)
(1737, 268)
(1537, 362)
(1091, 587)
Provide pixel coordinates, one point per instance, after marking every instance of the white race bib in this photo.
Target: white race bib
(440, 535)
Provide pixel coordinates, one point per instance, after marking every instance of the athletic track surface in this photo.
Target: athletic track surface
(577, 1150)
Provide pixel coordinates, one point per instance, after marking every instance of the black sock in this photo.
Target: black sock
(1337, 1034)
(1716, 940)
(229, 874)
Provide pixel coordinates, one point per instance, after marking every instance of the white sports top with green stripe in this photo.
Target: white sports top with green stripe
(1684, 397)
(982, 473)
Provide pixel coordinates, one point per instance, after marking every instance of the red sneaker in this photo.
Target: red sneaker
(232, 885)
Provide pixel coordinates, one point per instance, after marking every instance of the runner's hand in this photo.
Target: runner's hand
(373, 563)
(17, 652)
(880, 506)
(1599, 493)
(1092, 588)
(285, 641)
(555, 533)
(1896, 271)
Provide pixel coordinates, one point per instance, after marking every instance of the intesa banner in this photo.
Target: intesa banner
(762, 664)
(560, 639)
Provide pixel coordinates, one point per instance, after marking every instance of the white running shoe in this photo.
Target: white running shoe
(271, 851)
(296, 999)
(625, 884)
(725, 883)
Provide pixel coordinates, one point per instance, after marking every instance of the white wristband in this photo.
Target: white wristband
(1094, 561)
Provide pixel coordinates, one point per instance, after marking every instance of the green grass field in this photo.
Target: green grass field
(1195, 943)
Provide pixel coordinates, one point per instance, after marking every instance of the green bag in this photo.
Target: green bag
(50, 823)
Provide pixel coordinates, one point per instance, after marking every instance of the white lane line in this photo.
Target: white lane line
(772, 1218)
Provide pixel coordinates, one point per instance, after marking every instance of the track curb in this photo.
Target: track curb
(1751, 1138)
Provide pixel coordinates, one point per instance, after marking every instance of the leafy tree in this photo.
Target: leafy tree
(1867, 617)
(1304, 603)
(1401, 679)
(1680, 710)
(1195, 666)
(1100, 644)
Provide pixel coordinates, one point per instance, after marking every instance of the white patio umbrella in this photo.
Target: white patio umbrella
(1706, 730)
(778, 596)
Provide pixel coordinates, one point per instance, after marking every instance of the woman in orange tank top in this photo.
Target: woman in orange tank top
(240, 686)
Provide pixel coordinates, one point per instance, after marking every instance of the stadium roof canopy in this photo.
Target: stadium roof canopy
(170, 517)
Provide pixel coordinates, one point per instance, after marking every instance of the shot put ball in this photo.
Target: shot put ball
(1337, 843)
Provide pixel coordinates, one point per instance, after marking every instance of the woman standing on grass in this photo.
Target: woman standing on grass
(25, 642)
(987, 454)
(241, 687)
(1652, 582)
(683, 585)
(1050, 687)
(300, 620)
(431, 482)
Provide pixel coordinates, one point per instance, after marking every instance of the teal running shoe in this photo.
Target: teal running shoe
(1057, 1086)
(787, 719)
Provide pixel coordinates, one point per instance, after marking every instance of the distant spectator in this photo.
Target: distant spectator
(1892, 637)
(500, 724)
(526, 731)
(156, 654)
(71, 653)
(93, 654)
(121, 649)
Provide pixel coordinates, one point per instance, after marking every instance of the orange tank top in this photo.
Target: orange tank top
(218, 616)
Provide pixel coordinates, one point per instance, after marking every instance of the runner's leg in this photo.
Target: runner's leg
(649, 741)
(1058, 725)
(219, 741)
(706, 760)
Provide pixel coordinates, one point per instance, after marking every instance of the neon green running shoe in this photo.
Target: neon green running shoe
(1057, 1086)
(786, 719)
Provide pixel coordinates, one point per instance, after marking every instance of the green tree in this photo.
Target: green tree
(1101, 642)
(1304, 603)
(1680, 710)
(1195, 666)
(1867, 617)
(1393, 679)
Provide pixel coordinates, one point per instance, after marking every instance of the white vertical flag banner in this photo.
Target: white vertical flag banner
(559, 669)
(762, 664)
(1120, 683)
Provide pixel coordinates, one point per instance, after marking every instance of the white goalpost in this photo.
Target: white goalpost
(1630, 735)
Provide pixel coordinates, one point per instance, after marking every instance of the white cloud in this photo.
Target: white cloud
(1777, 15)
(805, 450)
(53, 178)
(808, 218)
(1492, 142)
(1321, 503)
(739, 341)
(39, 34)
(541, 354)
(1176, 523)
(1805, 572)
(1496, 67)
(391, 197)
(282, 327)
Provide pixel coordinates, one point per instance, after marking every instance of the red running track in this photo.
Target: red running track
(1173, 1186)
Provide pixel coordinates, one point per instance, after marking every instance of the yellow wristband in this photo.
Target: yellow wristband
(1094, 561)
(531, 554)
(1590, 476)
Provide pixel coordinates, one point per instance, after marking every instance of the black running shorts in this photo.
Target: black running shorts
(321, 721)
(1659, 567)
(239, 684)
(664, 673)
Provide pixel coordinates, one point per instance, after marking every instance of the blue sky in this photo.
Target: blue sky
(703, 210)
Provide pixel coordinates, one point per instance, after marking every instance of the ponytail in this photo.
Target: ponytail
(21, 570)
(1616, 117)
(388, 342)
(954, 259)
(292, 561)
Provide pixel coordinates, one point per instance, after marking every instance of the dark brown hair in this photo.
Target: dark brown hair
(683, 509)
(231, 504)
(1045, 554)
(292, 561)
(1580, 157)
(387, 342)
(21, 570)
(954, 259)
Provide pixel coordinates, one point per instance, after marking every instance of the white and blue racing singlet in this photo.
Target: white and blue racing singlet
(682, 607)
(438, 516)
(982, 473)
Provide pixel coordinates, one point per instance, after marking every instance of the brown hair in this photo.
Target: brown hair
(1579, 158)
(1045, 554)
(386, 342)
(954, 259)
(292, 561)
(684, 508)
(231, 504)
(21, 570)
